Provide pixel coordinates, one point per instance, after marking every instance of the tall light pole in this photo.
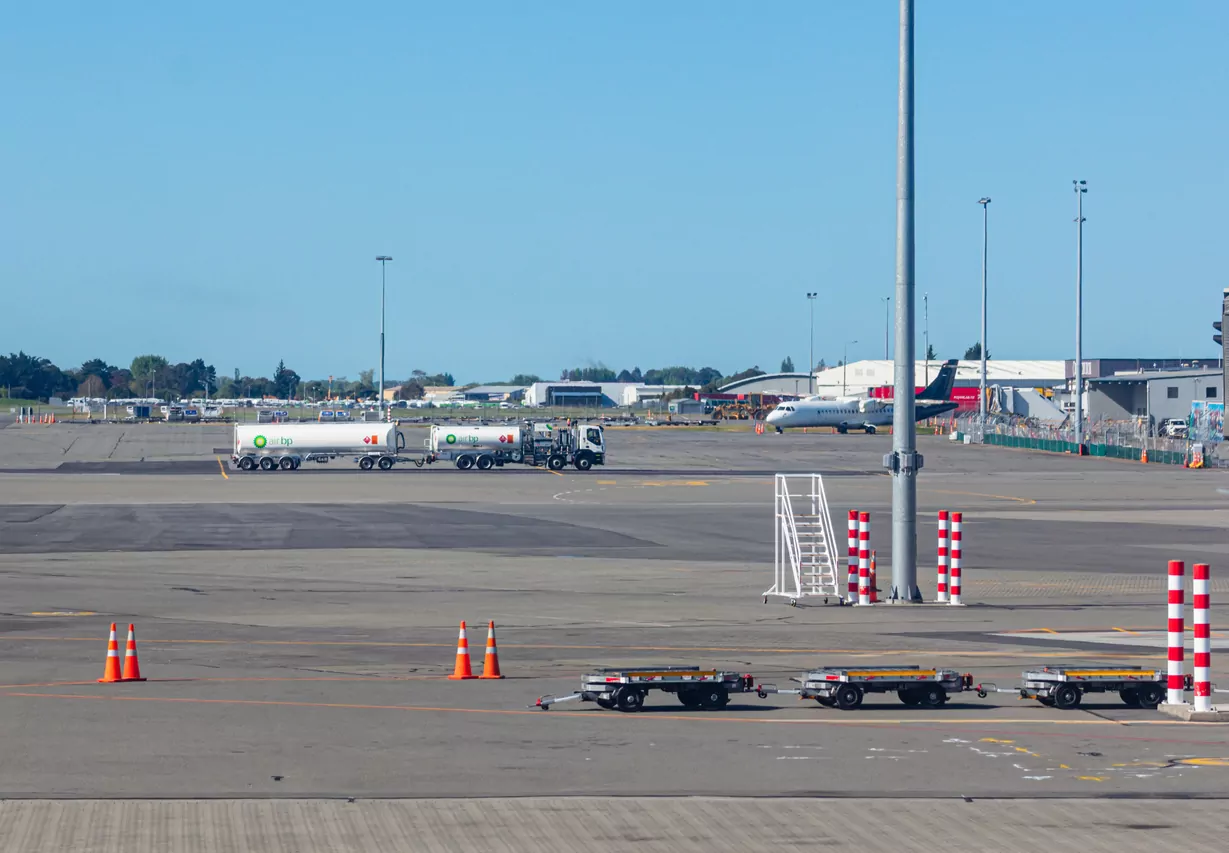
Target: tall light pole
(985, 226)
(904, 462)
(887, 324)
(811, 363)
(1080, 188)
(926, 334)
(845, 367)
(383, 259)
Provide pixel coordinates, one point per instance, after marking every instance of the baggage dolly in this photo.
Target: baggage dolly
(845, 687)
(1064, 687)
(626, 689)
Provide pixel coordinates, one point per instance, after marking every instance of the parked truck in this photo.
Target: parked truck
(538, 444)
(287, 446)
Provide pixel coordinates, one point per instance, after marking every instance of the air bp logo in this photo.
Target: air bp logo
(451, 439)
(260, 441)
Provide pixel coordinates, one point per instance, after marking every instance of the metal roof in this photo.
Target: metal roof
(1156, 376)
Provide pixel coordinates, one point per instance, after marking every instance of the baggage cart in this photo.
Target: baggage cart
(625, 689)
(845, 687)
(1064, 687)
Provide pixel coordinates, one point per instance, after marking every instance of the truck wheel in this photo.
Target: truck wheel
(247, 463)
(485, 463)
(517, 456)
(584, 462)
(287, 463)
(556, 463)
(870, 430)
(1067, 697)
(298, 463)
(1150, 696)
(267, 463)
(366, 463)
(465, 462)
(629, 700)
(386, 462)
(848, 697)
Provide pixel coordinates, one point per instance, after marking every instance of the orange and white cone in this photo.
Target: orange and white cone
(111, 673)
(132, 666)
(462, 669)
(490, 665)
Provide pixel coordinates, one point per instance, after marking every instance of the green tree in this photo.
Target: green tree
(787, 365)
(823, 365)
(96, 367)
(367, 378)
(411, 390)
(973, 353)
(285, 382)
(931, 355)
(519, 379)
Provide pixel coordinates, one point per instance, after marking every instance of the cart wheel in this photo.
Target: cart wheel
(1150, 696)
(604, 703)
(1046, 700)
(629, 700)
(690, 698)
(793, 602)
(848, 697)
(826, 701)
(909, 696)
(1129, 696)
(1067, 697)
(931, 697)
(715, 697)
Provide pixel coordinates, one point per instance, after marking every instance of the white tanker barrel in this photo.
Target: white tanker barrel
(479, 439)
(264, 439)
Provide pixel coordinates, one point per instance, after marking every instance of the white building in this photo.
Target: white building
(857, 377)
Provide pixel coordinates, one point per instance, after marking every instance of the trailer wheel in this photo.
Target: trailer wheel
(690, 698)
(629, 700)
(247, 463)
(608, 704)
(386, 462)
(1048, 701)
(1066, 697)
(465, 462)
(556, 463)
(298, 463)
(267, 463)
(1129, 697)
(485, 463)
(931, 697)
(366, 463)
(909, 696)
(716, 697)
(1150, 695)
(584, 462)
(848, 697)
(287, 463)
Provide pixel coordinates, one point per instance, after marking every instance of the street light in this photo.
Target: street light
(1080, 188)
(811, 362)
(985, 223)
(383, 259)
(845, 366)
(887, 324)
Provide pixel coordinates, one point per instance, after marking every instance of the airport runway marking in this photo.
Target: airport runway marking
(222, 468)
(1028, 501)
(923, 723)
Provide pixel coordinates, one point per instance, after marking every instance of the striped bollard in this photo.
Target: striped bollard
(955, 555)
(864, 559)
(851, 581)
(941, 595)
(1203, 637)
(1176, 630)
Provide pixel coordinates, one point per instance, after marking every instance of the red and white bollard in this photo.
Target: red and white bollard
(851, 580)
(1176, 632)
(864, 559)
(1203, 637)
(957, 544)
(941, 594)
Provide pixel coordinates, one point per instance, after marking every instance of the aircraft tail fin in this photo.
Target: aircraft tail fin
(941, 387)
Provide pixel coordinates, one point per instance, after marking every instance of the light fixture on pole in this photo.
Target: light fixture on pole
(887, 324)
(845, 366)
(811, 362)
(1080, 187)
(985, 223)
(383, 259)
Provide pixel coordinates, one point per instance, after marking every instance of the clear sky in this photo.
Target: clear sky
(637, 183)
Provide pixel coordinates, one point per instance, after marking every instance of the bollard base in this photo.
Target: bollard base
(1188, 713)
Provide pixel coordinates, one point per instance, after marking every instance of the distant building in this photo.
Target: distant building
(1155, 395)
(777, 384)
(494, 393)
(857, 378)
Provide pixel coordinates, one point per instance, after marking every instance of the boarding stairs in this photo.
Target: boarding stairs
(806, 558)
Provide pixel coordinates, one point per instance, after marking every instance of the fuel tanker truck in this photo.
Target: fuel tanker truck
(538, 444)
(287, 446)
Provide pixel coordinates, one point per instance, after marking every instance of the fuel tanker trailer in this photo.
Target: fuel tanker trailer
(287, 446)
(538, 444)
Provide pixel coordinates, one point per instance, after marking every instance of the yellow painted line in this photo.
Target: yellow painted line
(556, 473)
(1028, 501)
(1126, 631)
(1092, 778)
(606, 482)
(222, 468)
(63, 613)
(994, 740)
(1204, 762)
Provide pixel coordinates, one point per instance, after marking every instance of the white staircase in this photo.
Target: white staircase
(806, 556)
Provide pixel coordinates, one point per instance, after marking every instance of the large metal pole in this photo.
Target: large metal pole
(904, 462)
(383, 259)
(1081, 187)
(811, 365)
(887, 327)
(926, 334)
(985, 230)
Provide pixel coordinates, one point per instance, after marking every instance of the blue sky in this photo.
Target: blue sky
(563, 184)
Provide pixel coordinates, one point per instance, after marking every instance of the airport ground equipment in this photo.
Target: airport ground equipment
(805, 557)
(274, 446)
(845, 687)
(539, 444)
(625, 689)
(1065, 687)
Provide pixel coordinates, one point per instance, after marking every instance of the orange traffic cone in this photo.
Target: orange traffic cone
(462, 670)
(111, 673)
(132, 666)
(490, 666)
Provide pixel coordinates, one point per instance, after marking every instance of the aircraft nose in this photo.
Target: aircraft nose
(774, 415)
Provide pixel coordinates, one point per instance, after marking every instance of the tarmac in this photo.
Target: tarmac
(297, 627)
